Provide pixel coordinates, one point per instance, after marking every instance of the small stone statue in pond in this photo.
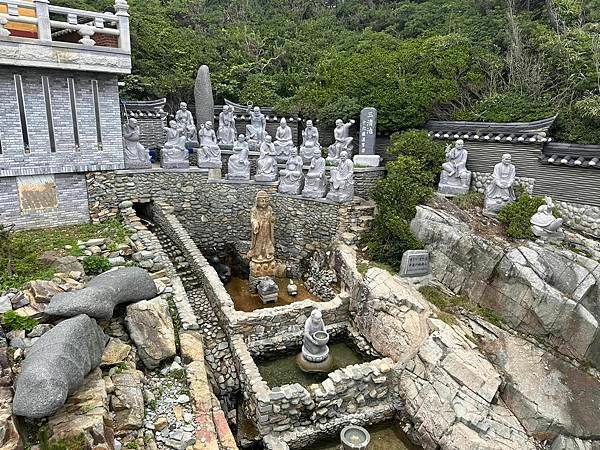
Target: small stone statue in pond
(238, 165)
(227, 129)
(544, 225)
(315, 181)
(174, 155)
(136, 156)
(262, 227)
(266, 166)
(310, 141)
(315, 352)
(342, 181)
(500, 190)
(283, 141)
(455, 178)
(290, 178)
(343, 141)
(185, 121)
(209, 153)
(257, 129)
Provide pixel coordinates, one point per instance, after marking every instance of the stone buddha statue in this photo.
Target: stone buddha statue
(283, 141)
(544, 225)
(174, 155)
(227, 128)
(185, 121)
(315, 181)
(342, 181)
(315, 352)
(310, 141)
(343, 141)
(136, 156)
(290, 178)
(262, 224)
(257, 129)
(266, 166)
(239, 165)
(455, 178)
(500, 190)
(209, 153)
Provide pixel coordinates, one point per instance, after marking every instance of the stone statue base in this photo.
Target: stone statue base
(175, 164)
(453, 186)
(367, 160)
(268, 291)
(209, 163)
(307, 154)
(290, 188)
(137, 164)
(239, 177)
(544, 235)
(314, 188)
(492, 206)
(324, 366)
(341, 195)
(214, 174)
(265, 178)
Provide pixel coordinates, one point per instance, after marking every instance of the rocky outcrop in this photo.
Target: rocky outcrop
(103, 293)
(151, 329)
(127, 400)
(56, 365)
(545, 291)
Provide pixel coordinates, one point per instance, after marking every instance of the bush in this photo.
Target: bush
(95, 265)
(516, 216)
(12, 321)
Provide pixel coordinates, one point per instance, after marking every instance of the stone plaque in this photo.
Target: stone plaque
(366, 139)
(415, 263)
(37, 193)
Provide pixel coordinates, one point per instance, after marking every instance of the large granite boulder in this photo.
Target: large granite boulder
(151, 329)
(56, 365)
(103, 293)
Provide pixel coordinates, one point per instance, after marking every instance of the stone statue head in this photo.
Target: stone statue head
(460, 144)
(226, 108)
(294, 152)
(309, 124)
(241, 138)
(344, 156)
(256, 110)
(208, 125)
(173, 123)
(317, 153)
(283, 122)
(183, 106)
(132, 122)
(339, 123)
(316, 316)
(506, 159)
(268, 138)
(215, 260)
(262, 200)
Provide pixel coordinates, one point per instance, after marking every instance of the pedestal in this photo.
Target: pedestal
(367, 160)
(324, 366)
(259, 271)
(453, 186)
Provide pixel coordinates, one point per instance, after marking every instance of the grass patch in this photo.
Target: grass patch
(12, 321)
(470, 200)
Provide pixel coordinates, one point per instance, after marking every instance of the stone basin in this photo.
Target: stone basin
(321, 337)
(355, 438)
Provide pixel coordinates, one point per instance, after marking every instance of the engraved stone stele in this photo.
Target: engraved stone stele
(455, 178)
(283, 141)
(227, 130)
(185, 121)
(367, 137)
(209, 153)
(342, 181)
(203, 96)
(415, 263)
(262, 249)
(174, 155)
(266, 165)
(291, 178)
(500, 190)
(544, 225)
(315, 181)
(343, 142)
(256, 130)
(136, 156)
(238, 166)
(268, 291)
(310, 142)
(315, 355)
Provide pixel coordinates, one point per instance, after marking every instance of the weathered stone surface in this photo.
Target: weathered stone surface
(127, 401)
(9, 436)
(103, 293)
(56, 365)
(571, 443)
(151, 329)
(115, 352)
(85, 413)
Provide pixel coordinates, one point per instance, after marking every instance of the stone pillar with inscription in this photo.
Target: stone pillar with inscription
(366, 139)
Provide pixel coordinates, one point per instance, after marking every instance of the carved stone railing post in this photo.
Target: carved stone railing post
(122, 12)
(86, 32)
(43, 20)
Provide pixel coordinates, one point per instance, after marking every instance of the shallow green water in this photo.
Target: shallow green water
(283, 370)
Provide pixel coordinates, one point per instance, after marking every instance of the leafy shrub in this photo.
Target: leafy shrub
(12, 321)
(95, 264)
(516, 216)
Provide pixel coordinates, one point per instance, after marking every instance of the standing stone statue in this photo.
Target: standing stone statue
(238, 164)
(455, 178)
(257, 129)
(343, 141)
(227, 129)
(136, 156)
(544, 225)
(315, 182)
(342, 181)
(209, 153)
(266, 166)
(315, 352)
(283, 141)
(174, 155)
(185, 121)
(203, 96)
(500, 190)
(310, 141)
(262, 249)
(290, 179)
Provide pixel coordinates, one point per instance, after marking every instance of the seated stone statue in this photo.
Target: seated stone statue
(257, 129)
(209, 153)
(185, 121)
(315, 355)
(174, 155)
(290, 178)
(227, 126)
(222, 270)
(238, 164)
(315, 182)
(136, 156)
(343, 142)
(342, 181)
(455, 178)
(266, 166)
(544, 225)
(283, 141)
(310, 141)
(500, 191)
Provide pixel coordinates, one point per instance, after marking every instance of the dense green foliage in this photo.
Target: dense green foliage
(12, 321)
(516, 216)
(503, 60)
(409, 182)
(95, 264)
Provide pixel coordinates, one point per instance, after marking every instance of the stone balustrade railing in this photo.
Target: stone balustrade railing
(87, 24)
